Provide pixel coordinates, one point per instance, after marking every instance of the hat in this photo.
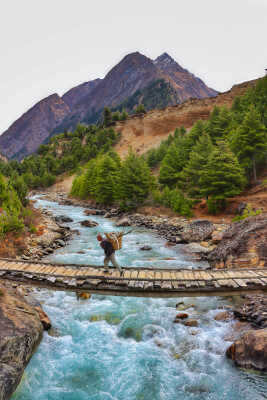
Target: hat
(99, 237)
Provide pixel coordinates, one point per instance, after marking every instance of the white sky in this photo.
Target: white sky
(50, 46)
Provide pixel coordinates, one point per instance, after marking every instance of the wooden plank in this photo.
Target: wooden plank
(142, 275)
(178, 275)
(126, 274)
(150, 274)
(166, 285)
(175, 285)
(134, 274)
(262, 273)
(199, 278)
(115, 274)
(240, 282)
(158, 275)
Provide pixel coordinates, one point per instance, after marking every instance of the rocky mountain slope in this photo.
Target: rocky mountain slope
(136, 73)
(27, 133)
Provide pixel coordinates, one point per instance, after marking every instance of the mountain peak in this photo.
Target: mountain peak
(165, 61)
(164, 57)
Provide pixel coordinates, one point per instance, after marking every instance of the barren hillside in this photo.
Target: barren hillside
(142, 132)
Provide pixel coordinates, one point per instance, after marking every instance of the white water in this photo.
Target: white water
(121, 348)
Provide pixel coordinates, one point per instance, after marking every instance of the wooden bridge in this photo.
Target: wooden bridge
(139, 282)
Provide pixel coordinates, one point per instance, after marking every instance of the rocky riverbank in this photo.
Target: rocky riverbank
(51, 235)
(21, 327)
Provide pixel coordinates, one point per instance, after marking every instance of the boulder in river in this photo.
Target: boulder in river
(180, 316)
(146, 248)
(123, 222)
(224, 316)
(94, 212)
(191, 322)
(89, 223)
(63, 218)
(250, 350)
(197, 231)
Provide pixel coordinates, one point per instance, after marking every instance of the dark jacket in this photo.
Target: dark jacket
(107, 247)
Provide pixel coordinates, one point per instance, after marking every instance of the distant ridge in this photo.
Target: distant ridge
(136, 78)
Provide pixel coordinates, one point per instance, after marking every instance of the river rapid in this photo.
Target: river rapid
(119, 348)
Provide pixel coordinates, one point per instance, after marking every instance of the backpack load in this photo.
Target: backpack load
(115, 238)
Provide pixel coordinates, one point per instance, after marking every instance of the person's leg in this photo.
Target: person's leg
(114, 262)
(106, 262)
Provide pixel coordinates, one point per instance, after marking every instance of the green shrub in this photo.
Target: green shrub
(248, 212)
(174, 199)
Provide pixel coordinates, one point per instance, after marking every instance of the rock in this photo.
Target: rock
(254, 310)
(223, 316)
(250, 350)
(81, 252)
(94, 212)
(44, 318)
(191, 322)
(196, 248)
(89, 223)
(216, 236)
(145, 248)
(180, 317)
(60, 242)
(20, 333)
(197, 231)
(83, 295)
(243, 245)
(169, 244)
(63, 218)
(107, 215)
(123, 222)
(48, 250)
(53, 332)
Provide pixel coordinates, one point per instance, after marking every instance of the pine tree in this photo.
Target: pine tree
(223, 176)
(107, 117)
(106, 180)
(249, 142)
(219, 123)
(196, 164)
(174, 161)
(135, 181)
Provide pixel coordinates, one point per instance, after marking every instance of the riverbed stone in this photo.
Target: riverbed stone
(180, 316)
(123, 222)
(197, 231)
(223, 316)
(190, 322)
(63, 218)
(89, 223)
(145, 248)
(250, 350)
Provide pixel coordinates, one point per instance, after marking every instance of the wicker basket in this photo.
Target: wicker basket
(115, 238)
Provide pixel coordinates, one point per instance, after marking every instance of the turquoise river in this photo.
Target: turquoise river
(118, 348)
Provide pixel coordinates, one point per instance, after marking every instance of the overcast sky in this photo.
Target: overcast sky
(50, 46)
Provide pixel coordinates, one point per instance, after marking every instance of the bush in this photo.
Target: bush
(174, 199)
(248, 212)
